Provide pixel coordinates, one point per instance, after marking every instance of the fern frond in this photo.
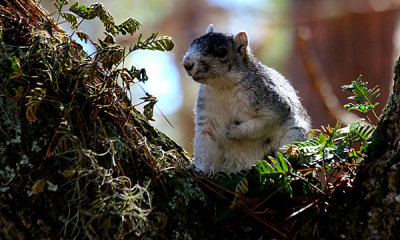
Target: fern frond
(356, 132)
(361, 93)
(152, 43)
(229, 181)
(308, 143)
(59, 4)
(82, 36)
(284, 163)
(71, 18)
(267, 176)
(35, 98)
(360, 132)
(310, 146)
(363, 96)
(240, 191)
(148, 108)
(95, 10)
(110, 56)
(128, 26)
(280, 166)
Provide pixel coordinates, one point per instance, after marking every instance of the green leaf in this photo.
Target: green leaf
(277, 166)
(140, 74)
(283, 162)
(83, 11)
(74, 5)
(363, 96)
(266, 167)
(95, 10)
(98, 10)
(59, 4)
(152, 43)
(109, 39)
(82, 36)
(263, 178)
(71, 18)
(149, 107)
(129, 26)
(360, 132)
(109, 56)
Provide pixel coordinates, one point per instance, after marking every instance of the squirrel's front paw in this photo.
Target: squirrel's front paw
(234, 131)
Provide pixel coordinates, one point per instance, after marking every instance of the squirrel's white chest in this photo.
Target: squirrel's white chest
(214, 150)
(220, 109)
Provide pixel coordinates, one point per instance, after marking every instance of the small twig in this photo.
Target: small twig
(268, 224)
(220, 187)
(302, 209)
(201, 180)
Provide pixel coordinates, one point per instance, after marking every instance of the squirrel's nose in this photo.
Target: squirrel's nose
(188, 65)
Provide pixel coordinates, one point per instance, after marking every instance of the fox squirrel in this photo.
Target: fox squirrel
(244, 110)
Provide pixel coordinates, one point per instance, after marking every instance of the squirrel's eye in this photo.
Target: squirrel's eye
(220, 52)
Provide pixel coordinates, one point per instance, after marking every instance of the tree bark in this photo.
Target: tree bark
(381, 186)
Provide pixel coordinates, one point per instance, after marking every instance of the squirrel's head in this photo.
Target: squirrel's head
(216, 58)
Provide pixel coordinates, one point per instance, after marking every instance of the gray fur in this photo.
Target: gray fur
(245, 110)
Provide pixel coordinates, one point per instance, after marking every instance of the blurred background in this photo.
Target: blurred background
(319, 45)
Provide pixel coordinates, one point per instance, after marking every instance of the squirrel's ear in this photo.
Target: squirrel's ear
(241, 41)
(210, 29)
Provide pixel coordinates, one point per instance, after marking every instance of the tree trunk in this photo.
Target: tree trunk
(381, 186)
(78, 161)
